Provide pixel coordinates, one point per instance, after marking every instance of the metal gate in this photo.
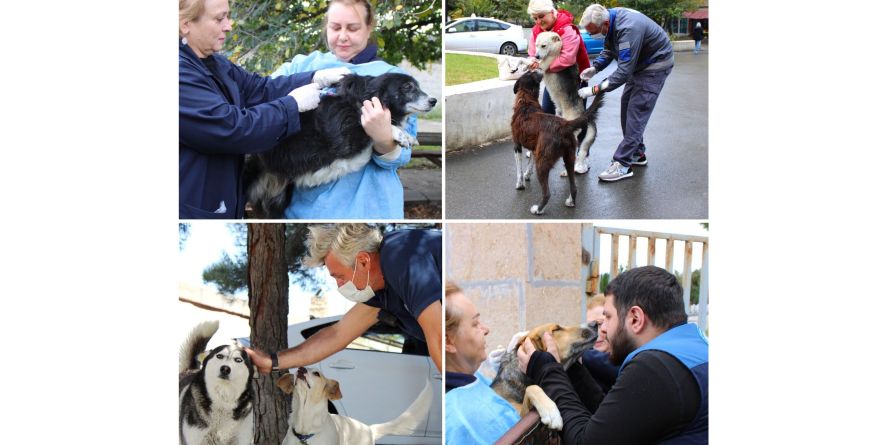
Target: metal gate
(591, 239)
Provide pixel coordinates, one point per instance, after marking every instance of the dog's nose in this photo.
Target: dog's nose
(585, 333)
(225, 370)
(432, 101)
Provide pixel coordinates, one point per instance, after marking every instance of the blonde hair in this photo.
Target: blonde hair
(596, 300)
(188, 11)
(343, 240)
(453, 317)
(540, 6)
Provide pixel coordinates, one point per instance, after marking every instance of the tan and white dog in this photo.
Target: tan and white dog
(563, 88)
(311, 424)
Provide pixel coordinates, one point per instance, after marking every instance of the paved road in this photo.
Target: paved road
(674, 185)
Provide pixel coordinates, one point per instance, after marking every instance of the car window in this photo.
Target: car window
(380, 337)
(485, 25)
(465, 26)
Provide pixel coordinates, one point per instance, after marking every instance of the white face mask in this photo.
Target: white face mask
(350, 291)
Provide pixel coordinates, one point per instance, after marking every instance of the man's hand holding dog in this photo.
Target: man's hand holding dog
(524, 353)
(376, 120)
(533, 63)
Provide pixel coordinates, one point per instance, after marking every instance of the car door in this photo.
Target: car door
(380, 374)
(460, 36)
(435, 416)
(490, 36)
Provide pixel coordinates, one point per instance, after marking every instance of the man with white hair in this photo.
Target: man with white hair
(645, 58)
(395, 276)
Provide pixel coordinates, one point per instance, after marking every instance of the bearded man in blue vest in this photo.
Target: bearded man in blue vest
(661, 393)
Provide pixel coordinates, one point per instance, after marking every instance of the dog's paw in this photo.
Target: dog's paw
(563, 174)
(551, 418)
(403, 138)
(535, 211)
(570, 202)
(527, 175)
(520, 186)
(581, 167)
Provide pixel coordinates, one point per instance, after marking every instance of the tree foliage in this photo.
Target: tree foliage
(229, 274)
(662, 10)
(184, 231)
(267, 33)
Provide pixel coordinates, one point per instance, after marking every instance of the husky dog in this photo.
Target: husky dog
(563, 87)
(215, 397)
(515, 387)
(311, 424)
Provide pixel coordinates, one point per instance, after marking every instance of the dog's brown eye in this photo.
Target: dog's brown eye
(218, 356)
(238, 360)
(316, 373)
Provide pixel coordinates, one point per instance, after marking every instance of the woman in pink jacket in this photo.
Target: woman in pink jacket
(547, 18)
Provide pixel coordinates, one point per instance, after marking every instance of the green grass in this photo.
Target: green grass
(461, 68)
(422, 163)
(434, 115)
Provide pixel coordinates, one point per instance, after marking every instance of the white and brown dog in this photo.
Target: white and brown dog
(563, 88)
(311, 424)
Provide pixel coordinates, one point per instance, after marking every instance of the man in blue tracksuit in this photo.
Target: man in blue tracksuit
(661, 392)
(645, 57)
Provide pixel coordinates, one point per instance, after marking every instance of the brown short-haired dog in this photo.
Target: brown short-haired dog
(549, 137)
(514, 386)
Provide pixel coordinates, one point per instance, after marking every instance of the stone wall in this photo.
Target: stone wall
(518, 275)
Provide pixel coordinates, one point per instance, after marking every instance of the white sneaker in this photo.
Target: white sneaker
(615, 172)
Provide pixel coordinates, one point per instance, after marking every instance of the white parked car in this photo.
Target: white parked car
(380, 374)
(485, 35)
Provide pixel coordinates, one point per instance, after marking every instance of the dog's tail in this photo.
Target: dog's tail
(194, 344)
(590, 114)
(406, 423)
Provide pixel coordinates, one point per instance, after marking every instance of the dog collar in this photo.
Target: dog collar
(303, 438)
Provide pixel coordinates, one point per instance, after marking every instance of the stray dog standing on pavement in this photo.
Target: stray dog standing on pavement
(215, 398)
(311, 424)
(332, 142)
(563, 88)
(547, 136)
(515, 387)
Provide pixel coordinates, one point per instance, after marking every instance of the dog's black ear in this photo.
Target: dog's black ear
(352, 85)
(332, 390)
(286, 382)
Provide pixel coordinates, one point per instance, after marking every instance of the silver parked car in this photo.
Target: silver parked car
(380, 374)
(485, 35)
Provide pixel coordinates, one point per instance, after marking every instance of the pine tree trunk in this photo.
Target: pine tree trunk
(268, 311)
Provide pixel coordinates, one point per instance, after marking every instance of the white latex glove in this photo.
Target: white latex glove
(593, 90)
(494, 357)
(330, 76)
(516, 340)
(307, 96)
(588, 73)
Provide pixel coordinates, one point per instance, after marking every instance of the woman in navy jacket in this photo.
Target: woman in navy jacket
(226, 112)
